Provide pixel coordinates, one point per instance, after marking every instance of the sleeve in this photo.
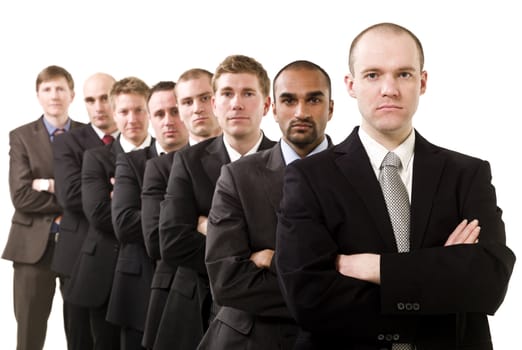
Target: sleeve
(67, 174)
(236, 281)
(97, 189)
(21, 177)
(321, 299)
(153, 192)
(180, 242)
(462, 278)
(126, 201)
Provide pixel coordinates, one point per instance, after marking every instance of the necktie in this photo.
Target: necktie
(397, 200)
(57, 132)
(398, 205)
(107, 138)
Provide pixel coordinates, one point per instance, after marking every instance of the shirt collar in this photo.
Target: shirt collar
(235, 155)
(290, 155)
(127, 146)
(376, 152)
(51, 128)
(100, 133)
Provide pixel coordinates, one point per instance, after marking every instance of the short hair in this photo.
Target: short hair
(129, 85)
(194, 73)
(390, 27)
(53, 72)
(303, 64)
(161, 86)
(243, 64)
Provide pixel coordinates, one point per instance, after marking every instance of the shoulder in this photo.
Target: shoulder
(25, 128)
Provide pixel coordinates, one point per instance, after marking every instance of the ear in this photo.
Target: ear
(330, 110)
(274, 112)
(266, 106)
(349, 82)
(424, 82)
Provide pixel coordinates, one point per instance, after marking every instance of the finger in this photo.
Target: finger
(456, 232)
(473, 236)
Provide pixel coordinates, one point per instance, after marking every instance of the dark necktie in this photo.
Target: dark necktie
(57, 132)
(107, 139)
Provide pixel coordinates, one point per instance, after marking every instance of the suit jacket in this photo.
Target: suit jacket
(243, 220)
(435, 297)
(91, 280)
(30, 157)
(155, 180)
(131, 285)
(192, 180)
(68, 150)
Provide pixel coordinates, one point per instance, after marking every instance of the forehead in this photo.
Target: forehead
(386, 49)
(56, 81)
(161, 99)
(95, 87)
(129, 100)
(193, 87)
(238, 81)
(300, 81)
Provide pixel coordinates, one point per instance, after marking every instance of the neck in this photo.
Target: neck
(243, 144)
(390, 140)
(57, 121)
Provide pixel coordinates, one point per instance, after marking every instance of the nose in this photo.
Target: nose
(389, 86)
(300, 109)
(237, 102)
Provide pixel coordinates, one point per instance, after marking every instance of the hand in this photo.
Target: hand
(42, 185)
(365, 267)
(112, 181)
(464, 233)
(262, 258)
(202, 224)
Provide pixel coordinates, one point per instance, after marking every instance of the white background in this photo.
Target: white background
(472, 103)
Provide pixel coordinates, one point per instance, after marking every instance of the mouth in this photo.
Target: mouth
(388, 107)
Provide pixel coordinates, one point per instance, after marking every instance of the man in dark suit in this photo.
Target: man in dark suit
(241, 98)
(193, 94)
(37, 215)
(132, 280)
(68, 152)
(92, 277)
(349, 274)
(243, 218)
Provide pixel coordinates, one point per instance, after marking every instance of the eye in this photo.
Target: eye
(205, 98)
(371, 76)
(405, 75)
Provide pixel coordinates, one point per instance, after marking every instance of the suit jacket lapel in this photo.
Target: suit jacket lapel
(216, 156)
(427, 170)
(354, 163)
(272, 175)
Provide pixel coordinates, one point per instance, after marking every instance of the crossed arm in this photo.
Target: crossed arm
(366, 267)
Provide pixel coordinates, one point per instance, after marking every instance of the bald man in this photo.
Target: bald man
(68, 152)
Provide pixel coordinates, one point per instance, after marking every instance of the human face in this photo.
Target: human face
(96, 97)
(239, 104)
(55, 97)
(195, 108)
(387, 83)
(131, 116)
(302, 108)
(166, 123)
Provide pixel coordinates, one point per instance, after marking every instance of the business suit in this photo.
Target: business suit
(333, 204)
(30, 245)
(130, 293)
(155, 180)
(243, 220)
(194, 173)
(93, 273)
(68, 152)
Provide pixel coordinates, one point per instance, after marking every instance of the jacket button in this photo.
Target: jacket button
(400, 306)
(416, 306)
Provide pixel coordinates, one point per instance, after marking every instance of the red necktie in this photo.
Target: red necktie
(107, 138)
